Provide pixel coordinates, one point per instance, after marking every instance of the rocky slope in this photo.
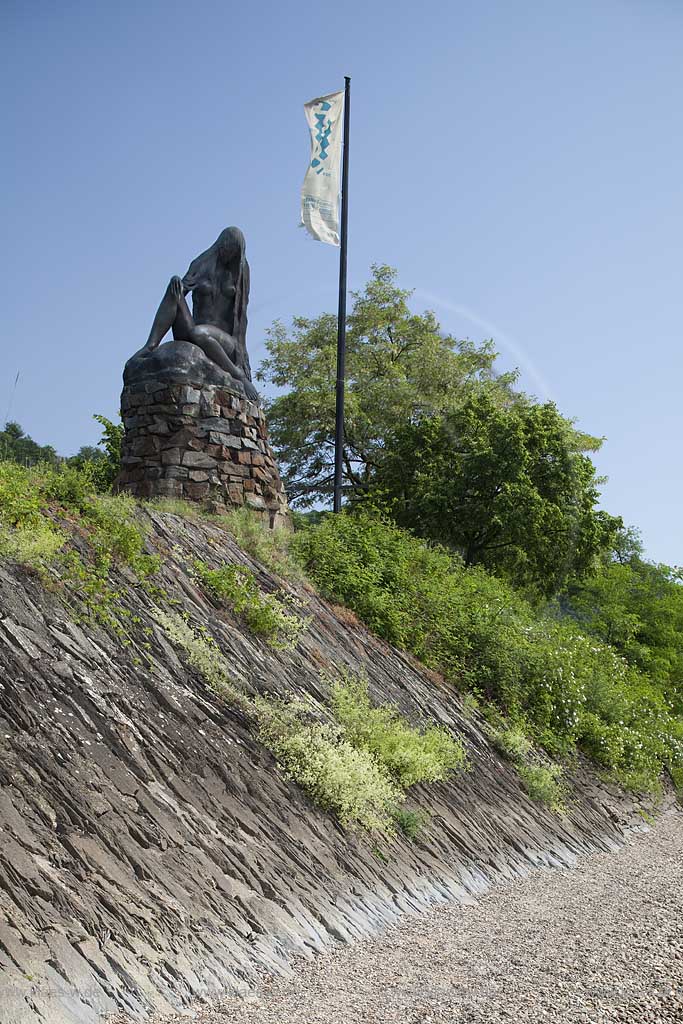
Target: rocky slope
(152, 853)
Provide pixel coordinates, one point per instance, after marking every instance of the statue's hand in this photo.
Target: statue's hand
(176, 286)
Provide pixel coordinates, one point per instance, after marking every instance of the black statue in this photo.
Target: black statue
(210, 344)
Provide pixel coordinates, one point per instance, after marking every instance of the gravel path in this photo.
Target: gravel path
(603, 942)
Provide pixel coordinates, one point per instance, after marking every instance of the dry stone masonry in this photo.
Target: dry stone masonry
(208, 444)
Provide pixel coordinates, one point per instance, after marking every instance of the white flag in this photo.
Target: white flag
(320, 192)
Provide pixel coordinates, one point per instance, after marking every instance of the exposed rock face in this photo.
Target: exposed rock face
(152, 852)
(205, 443)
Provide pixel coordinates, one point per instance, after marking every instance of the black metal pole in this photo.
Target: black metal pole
(341, 315)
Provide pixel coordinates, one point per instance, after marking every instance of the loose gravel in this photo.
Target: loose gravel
(602, 942)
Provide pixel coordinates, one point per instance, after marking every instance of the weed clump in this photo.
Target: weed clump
(204, 654)
(273, 616)
(543, 782)
(408, 755)
(270, 547)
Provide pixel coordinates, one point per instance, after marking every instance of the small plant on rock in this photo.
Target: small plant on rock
(544, 784)
(408, 754)
(273, 616)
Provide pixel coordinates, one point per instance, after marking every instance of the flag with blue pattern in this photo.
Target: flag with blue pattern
(320, 192)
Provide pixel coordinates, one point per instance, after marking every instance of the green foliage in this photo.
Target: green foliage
(506, 486)
(544, 784)
(360, 765)
(17, 446)
(102, 464)
(270, 547)
(338, 776)
(637, 608)
(478, 632)
(410, 823)
(407, 754)
(204, 654)
(35, 547)
(35, 505)
(399, 365)
(513, 743)
(273, 616)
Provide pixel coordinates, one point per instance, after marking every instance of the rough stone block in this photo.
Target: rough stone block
(195, 490)
(159, 426)
(198, 460)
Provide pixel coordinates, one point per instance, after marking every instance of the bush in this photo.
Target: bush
(513, 743)
(407, 754)
(566, 688)
(273, 616)
(336, 775)
(544, 784)
(410, 823)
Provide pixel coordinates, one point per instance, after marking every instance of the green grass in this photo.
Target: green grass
(270, 547)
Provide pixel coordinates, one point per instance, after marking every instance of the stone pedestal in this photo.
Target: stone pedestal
(206, 443)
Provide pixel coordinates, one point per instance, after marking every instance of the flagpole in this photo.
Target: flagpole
(341, 315)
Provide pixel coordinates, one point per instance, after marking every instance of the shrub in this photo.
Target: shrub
(336, 775)
(513, 743)
(478, 632)
(544, 784)
(410, 823)
(408, 755)
(273, 616)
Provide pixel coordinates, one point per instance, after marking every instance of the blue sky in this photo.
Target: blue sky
(520, 163)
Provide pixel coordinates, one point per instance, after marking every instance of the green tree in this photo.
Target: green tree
(400, 367)
(637, 607)
(17, 446)
(509, 487)
(104, 462)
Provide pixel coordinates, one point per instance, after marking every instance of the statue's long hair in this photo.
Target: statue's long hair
(212, 264)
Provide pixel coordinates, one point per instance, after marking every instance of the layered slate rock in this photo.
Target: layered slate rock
(207, 443)
(152, 853)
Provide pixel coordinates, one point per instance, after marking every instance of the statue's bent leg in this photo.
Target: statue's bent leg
(172, 308)
(183, 325)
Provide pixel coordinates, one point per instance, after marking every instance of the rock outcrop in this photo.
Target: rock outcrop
(152, 852)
